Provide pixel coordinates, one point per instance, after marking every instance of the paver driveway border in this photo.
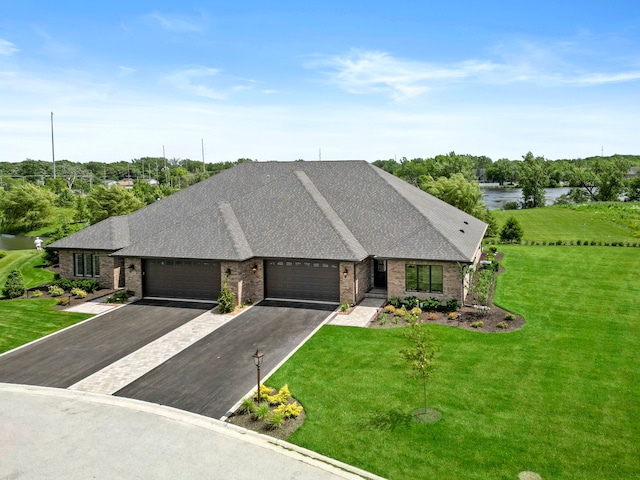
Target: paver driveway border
(210, 376)
(65, 357)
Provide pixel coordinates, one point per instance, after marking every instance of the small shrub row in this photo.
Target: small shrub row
(435, 305)
(570, 243)
(68, 284)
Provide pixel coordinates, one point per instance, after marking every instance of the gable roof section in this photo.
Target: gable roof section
(344, 210)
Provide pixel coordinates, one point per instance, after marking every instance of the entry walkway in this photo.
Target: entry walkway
(51, 433)
(362, 314)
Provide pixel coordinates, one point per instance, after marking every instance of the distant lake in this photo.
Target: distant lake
(17, 242)
(495, 197)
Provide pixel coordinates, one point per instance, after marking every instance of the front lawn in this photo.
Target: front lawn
(598, 222)
(23, 321)
(559, 397)
(29, 263)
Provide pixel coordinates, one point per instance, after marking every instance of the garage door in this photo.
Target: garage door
(303, 280)
(192, 279)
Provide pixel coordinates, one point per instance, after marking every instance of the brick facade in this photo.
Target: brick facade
(133, 276)
(242, 281)
(396, 286)
(363, 278)
(348, 284)
(110, 268)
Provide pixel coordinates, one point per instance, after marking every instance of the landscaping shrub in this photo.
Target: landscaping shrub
(411, 302)
(511, 206)
(432, 316)
(117, 297)
(344, 307)
(416, 311)
(383, 319)
(431, 304)
(512, 231)
(226, 300)
(261, 411)
(502, 325)
(64, 301)
(389, 309)
(493, 249)
(67, 284)
(247, 405)
(289, 410)
(477, 324)
(510, 317)
(55, 291)
(14, 286)
(78, 292)
(265, 393)
(3, 254)
(275, 420)
(453, 315)
(400, 312)
(395, 301)
(453, 305)
(36, 293)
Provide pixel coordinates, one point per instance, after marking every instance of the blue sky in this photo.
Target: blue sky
(288, 80)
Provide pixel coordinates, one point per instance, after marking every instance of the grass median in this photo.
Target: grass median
(558, 397)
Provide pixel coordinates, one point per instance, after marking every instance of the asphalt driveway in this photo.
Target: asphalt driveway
(210, 376)
(65, 358)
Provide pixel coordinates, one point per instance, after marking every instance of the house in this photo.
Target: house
(323, 231)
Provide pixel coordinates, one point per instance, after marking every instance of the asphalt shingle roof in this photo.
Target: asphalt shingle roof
(344, 210)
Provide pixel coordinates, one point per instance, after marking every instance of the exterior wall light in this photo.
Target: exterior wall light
(132, 267)
(254, 269)
(345, 273)
(228, 272)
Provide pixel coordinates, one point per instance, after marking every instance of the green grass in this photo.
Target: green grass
(29, 263)
(22, 321)
(599, 222)
(559, 397)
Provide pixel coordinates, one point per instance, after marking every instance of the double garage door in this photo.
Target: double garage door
(189, 279)
(302, 279)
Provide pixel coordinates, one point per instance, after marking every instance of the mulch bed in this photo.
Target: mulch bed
(103, 292)
(466, 315)
(289, 426)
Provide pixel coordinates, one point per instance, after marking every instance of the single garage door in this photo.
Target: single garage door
(190, 279)
(303, 279)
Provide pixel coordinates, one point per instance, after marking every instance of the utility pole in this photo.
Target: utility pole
(204, 166)
(53, 152)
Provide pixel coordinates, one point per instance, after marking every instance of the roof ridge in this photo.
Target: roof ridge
(346, 235)
(380, 172)
(239, 239)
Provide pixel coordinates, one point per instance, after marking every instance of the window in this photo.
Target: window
(424, 278)
(86, 265)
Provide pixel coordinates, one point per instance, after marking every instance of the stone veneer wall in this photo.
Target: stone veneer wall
(347, 285)
(363, 278)
(242, 281)
(109, 267)
(133, 276)
(396, 282)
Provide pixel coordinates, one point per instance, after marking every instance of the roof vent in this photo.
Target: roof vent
(462, 230)
(466, 223)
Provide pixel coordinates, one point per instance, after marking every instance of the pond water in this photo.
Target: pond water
(495, 196)
(16, 242)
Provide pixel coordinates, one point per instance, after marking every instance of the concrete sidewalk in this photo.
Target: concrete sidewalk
(362, 314)
(52, 433)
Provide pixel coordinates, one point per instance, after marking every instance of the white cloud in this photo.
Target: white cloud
(178, 23)
(7, 48)
(198, 81)
(365, 72)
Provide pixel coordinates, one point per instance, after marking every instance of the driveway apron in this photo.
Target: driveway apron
(210, 376)
(63, 359)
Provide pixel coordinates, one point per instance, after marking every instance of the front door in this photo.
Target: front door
(380, 273)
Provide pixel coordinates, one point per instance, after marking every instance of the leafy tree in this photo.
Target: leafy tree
(14, 286)
(390, 166)
(512, 231)
(25, 207)
(532, 178)
(81, 213)
(421, 355)
(452, 163)
(602, 179)
(457, 191)
(105, 202)
(633, 192)
(501, 171)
